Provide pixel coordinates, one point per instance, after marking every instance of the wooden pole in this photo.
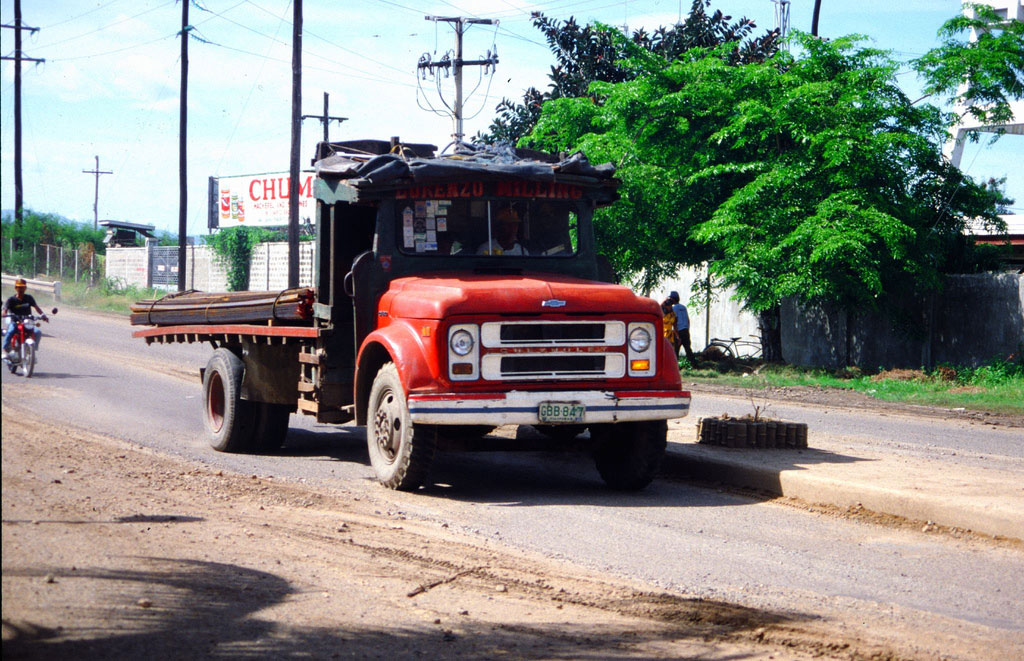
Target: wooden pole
(182, 149)
(293, 179)
(19, 195)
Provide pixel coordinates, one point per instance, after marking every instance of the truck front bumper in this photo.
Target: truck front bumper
(523, 407)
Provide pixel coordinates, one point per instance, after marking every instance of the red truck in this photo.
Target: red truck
(452, 295)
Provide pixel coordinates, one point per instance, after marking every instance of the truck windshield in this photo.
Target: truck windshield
(499, 228)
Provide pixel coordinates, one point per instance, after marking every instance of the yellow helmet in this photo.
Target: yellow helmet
(20, 284)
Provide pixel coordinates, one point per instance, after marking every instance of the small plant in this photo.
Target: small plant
(760, 396)
(233, 248)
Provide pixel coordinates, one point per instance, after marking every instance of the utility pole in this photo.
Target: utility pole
(459, 23)
(326, 118)
(182, 149)
(782, 20)
(96, 197)
(814, 19)
(293, 179)
(19, 189)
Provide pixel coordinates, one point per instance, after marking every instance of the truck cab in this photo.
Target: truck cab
(458, 294)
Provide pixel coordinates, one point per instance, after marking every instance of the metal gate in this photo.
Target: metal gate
(163, 266)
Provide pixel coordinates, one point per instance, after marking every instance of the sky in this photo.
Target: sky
(109, 86)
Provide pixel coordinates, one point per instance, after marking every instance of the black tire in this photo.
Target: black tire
(271, 426)
(230, 420)
(399, 452)
(28, 359)
(628, 454)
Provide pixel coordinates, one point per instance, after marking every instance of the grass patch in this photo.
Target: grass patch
(997, 386)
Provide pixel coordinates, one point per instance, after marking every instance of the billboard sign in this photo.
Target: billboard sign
(258, 200)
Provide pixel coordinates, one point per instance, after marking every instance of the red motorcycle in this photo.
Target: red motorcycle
(21, 359)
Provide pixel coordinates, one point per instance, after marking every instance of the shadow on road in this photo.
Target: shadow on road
(531, 470)
(43, 374)
(759, 471)
(195, 609)
(135, 518)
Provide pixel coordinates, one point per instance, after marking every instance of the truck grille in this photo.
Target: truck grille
(534, 350)
(552, 365)
(551, 333)
(500, 334)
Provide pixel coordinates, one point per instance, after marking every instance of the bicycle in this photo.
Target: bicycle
(732, 348)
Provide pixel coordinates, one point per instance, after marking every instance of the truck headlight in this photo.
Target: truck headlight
(639, 340)
(463, 352)
(461, 343)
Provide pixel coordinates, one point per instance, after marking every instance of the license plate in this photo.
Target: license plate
(561, 412)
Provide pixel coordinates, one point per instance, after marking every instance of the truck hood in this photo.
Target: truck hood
(443, 295)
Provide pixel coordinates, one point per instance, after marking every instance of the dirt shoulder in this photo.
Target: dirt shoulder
(851, 399)
(111, 550)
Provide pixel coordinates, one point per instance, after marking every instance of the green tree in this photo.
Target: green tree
(809, 176)
(584, 54)
(992, 66)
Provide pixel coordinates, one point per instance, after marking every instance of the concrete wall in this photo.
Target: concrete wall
(268, 270)
(203, 271)
(974, 319)
(128, 265)
(727, 318)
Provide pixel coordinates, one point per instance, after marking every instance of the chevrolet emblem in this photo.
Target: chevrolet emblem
(553, 303)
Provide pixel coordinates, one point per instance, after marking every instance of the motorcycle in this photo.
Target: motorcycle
(22, 356)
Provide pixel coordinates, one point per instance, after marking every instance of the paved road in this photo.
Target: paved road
(700, 541)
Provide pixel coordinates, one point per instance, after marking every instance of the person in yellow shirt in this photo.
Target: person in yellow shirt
(668, 321)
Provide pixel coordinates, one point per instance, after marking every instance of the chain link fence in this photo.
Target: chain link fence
(44, 261)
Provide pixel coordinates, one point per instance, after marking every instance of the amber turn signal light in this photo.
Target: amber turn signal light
(462, 368)
(639, 365)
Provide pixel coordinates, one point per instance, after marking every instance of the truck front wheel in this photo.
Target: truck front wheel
(400, 453)
(628, 454)
(230, 420)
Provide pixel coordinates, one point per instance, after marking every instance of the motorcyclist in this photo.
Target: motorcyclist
(20, 305)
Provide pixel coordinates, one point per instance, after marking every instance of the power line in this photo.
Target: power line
(75, 18)
(109, 25)
(112, 52)
(333, 43)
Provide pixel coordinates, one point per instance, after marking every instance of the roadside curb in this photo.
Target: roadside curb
(792, 473)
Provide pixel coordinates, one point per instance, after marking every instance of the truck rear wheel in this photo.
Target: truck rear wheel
(400, 453)
(230, 420)
(628, 454)
(271, 426)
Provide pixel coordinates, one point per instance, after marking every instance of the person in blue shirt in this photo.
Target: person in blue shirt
(682, 326)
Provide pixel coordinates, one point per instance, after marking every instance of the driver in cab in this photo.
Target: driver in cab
(506, 240)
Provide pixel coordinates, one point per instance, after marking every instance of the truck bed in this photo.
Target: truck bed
(290, 307)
